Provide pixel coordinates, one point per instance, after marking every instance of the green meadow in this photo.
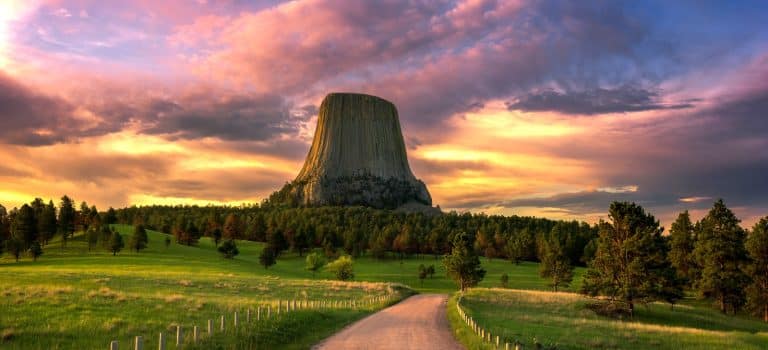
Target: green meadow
(563, 321)
(74, 299)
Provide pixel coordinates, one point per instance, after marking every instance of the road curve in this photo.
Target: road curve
(418, 322)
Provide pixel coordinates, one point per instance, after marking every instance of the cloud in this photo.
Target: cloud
(622, 99)
(30, 118)
(235, 117)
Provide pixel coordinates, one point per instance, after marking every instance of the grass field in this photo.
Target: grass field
(561, 321)
(71, 298)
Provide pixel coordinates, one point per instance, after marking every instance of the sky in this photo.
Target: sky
(544, 108)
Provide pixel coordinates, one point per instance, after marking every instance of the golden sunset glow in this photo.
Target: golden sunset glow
(123, 103)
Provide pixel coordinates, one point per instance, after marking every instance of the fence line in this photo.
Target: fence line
(481, 332)
(288, 305)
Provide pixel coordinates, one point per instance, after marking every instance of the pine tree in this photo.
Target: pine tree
(681, 241)
(631, 263)
(24, 226)
(722, 257)
(555, 264)
(35, 250)
(139, 240)
(232, 227)
(463, 264)
(757, 246)
(116, 243)
(46, 223)
(268, 256)
(228, 249)
(66, 218)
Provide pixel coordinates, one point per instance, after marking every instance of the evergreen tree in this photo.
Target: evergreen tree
(504, 280)
(24, 226)
(228, 249)
(216, 235)
(268, 256)
(631, 263)
(422, 274)
(66, 218)
(47, 223)
(555, 264)
(5, 227)
(35, 250)
(110, 217)
(757, 246)
(232, 227)
(517, 247)
(92, 236)
(463, 264)
(722, 257)
(681, 242)
(139, 240)
(315, 262)
(116, 243)
(15, 247)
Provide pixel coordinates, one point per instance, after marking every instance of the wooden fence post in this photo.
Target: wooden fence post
(161, 341)
(138, 343)
(113, 345)
(269, 311)
(195, 335)
(235, 319)
(222, 323)
(179, 336)
(210, 327)
(258, 314)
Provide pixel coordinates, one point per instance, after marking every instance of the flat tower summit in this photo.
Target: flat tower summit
(358, 157)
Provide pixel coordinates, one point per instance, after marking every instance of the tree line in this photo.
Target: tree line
(30, 228)
(714, 258)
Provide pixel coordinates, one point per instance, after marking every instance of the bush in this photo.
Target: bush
(229, 249)
(342, 268)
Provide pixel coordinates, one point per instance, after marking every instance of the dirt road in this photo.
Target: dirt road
(418, 322)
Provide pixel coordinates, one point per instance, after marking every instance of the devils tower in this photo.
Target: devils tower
(357, 158)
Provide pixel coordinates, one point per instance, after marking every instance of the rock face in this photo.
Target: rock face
(357, 157)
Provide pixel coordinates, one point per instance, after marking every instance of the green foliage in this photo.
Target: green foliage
(67, 216)
(24, 226)
(422, 273)
(630, 263)
(116, 243)
(47, 223)
(314, 262)
(35, 250)
(431, 271)
(232, 228)
(681, 241)
(139, 240)
(517, 247)
(463, 264)
(228, 249)
(504, 280)
(757, 246)
(722, 258)
(15, 247)
(268, 256)
(555, 264)
(342, 268)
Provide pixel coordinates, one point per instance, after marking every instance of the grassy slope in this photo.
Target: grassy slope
(562, 319)
(74, 299)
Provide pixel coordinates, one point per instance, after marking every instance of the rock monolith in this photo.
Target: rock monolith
(358, 157)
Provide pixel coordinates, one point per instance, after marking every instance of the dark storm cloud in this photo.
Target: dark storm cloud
(596, 101)
(30, 118)
(234, 118)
